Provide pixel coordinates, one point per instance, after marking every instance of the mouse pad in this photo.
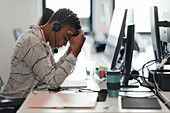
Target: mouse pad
(140, 103)
(102, 95)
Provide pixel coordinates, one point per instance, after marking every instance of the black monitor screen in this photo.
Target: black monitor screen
(155, 35)
(129, 44)
(115, 39)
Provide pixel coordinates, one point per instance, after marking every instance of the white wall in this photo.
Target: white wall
(101, 17)
(141, 12)
(14, 13)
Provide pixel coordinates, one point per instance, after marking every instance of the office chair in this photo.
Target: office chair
(9, 105)
(17, 32)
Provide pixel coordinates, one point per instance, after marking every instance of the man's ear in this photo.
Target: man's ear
(56, 26)
(55, 22)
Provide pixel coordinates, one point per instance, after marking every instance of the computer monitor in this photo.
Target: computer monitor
(119, 50)
(112, 56)
(129, 44)
(155, 35)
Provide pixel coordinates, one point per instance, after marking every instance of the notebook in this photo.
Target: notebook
(140, 103)
(62, 100)
(74, 84)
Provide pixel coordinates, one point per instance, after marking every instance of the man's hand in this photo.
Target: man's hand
(76, 43)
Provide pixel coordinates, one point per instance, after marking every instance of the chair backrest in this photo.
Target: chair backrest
(10, 106)
(17, 32)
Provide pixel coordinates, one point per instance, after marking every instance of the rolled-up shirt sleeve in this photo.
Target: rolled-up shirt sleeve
(60, 61)
(63, 70)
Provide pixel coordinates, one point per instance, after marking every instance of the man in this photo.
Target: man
(32, 61)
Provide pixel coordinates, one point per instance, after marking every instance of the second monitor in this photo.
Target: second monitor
(120, 57)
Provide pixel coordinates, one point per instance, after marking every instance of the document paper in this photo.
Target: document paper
(61, 100)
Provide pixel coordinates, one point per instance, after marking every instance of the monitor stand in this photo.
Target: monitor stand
(129, 86)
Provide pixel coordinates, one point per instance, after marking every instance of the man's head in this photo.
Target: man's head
(65, 16)
(68, 21)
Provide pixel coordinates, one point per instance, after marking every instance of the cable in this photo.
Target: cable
(136, 78)
(155, 83)
(163, 62)
(144, 66)
(144, 79)
(159, 67)
(167, 102)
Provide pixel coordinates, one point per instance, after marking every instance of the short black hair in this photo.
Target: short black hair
(64, 13)
(47, 13)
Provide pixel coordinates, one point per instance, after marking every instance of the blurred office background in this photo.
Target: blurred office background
(95, 16)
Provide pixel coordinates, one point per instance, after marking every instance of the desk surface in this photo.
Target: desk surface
(110, 105)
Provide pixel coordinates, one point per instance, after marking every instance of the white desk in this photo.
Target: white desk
(110, 105)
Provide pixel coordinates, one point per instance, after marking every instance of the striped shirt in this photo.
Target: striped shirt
(33, 63)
